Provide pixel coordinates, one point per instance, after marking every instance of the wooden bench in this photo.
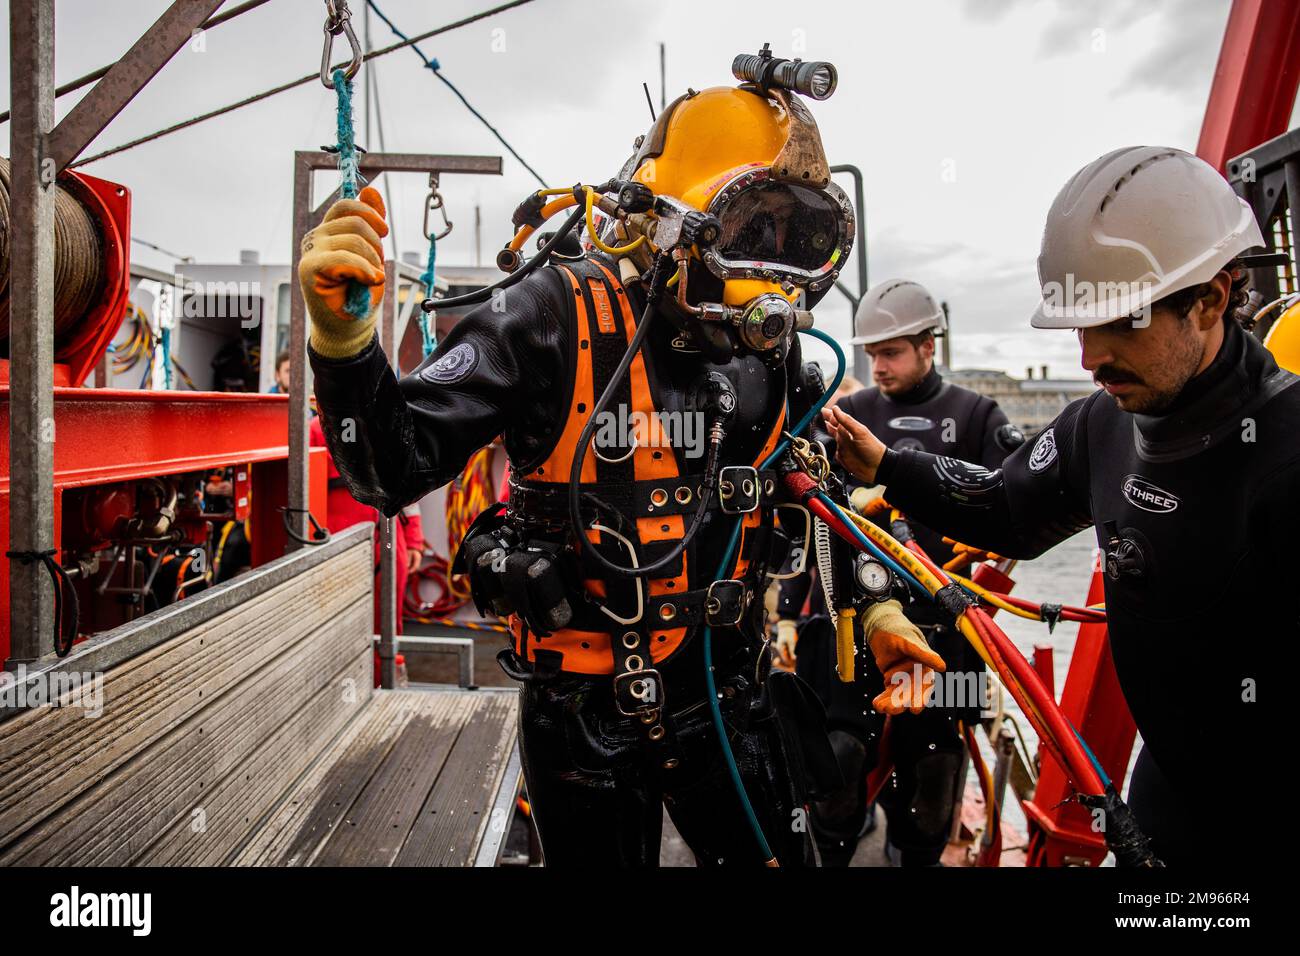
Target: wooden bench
(241, 727)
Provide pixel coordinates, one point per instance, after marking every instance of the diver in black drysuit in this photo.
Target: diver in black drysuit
(1196, 510)
(926, 749)
(595, 785)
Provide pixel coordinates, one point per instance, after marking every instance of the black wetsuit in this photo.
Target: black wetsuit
(920, 796)
(596, 785)
(1197, 511)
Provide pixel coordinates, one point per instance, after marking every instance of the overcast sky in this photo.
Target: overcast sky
(965, 117)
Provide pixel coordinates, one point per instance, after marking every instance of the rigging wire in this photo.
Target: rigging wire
(283, 87)
(434, 66)
(74, 85)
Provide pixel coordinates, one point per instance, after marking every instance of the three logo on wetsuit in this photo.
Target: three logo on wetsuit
(1142, 494)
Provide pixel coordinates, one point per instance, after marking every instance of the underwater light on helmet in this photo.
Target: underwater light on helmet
(815, 78)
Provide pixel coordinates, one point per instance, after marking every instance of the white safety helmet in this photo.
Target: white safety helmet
(893, 308)
(1132, 227)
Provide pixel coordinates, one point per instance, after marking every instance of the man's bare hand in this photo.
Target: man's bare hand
(856, 447)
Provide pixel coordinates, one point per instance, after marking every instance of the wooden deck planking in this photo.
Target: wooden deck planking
(49, 756)
(111, 825)
(458, 809)
(411, 755)
(376, 825)
(235, 806)
(294, 833)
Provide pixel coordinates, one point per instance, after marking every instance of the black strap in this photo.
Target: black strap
(63, 636)
(654, 497)
(318, 536)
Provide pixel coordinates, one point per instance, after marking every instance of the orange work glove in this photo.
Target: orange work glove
(903, 656)
(346, 247)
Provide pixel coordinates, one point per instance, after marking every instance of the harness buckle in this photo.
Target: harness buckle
(725, 602)
(638, 692)
(738, 489)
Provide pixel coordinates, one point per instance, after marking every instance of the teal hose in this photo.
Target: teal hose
(724, 567)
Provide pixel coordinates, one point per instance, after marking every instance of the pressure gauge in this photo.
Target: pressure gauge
(874, 578)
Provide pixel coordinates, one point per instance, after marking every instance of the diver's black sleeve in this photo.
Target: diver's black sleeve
(501, 369)
(1037, 499)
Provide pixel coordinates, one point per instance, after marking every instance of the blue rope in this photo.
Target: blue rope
(358, 300)
(167, 356)
(428, 333)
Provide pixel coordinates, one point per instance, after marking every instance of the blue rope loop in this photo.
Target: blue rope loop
(358, 303)
(428, 333)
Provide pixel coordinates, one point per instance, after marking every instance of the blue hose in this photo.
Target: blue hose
(871, 547)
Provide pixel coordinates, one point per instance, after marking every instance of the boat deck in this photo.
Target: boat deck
(418, 778)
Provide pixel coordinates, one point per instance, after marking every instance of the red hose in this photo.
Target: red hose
(988, 855)
(1083, 615)
(1054, 730)
(1062, 741)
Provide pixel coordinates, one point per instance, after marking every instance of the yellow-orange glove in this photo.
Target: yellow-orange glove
(346, 247)
(903, 656)
(966, 554)
(787, 636)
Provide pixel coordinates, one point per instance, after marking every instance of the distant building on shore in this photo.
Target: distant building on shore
(1030, 403)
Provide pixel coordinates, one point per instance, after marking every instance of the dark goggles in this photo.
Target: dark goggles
(782, 230)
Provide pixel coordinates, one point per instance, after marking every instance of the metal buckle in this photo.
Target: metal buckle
(738, 489)
(643, 685)
(724, 603)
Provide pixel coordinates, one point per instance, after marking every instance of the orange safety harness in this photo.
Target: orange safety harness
(643, 623)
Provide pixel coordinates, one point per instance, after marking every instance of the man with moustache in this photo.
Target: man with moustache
(1187, 464)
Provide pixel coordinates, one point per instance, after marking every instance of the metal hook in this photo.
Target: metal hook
(338, 19)
(434, 201)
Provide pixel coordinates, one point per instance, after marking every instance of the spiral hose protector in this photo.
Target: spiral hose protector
(78, 260)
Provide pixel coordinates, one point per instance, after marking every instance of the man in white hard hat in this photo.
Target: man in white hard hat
(1187, 464)
(911, 406)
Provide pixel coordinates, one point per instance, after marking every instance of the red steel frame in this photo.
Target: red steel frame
(1255, 80)
(109, 435)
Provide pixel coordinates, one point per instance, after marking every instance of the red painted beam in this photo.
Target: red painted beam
(102, 435)
(1254, 88)
(108, 435)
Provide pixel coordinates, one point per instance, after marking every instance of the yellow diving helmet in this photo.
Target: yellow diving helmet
(733, 185)
(752, 158)
(1283, 338)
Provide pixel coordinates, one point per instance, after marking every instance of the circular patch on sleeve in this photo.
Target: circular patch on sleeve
(453, 366)
(1044, 452)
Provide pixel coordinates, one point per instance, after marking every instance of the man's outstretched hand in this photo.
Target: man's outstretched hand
(856, 447)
